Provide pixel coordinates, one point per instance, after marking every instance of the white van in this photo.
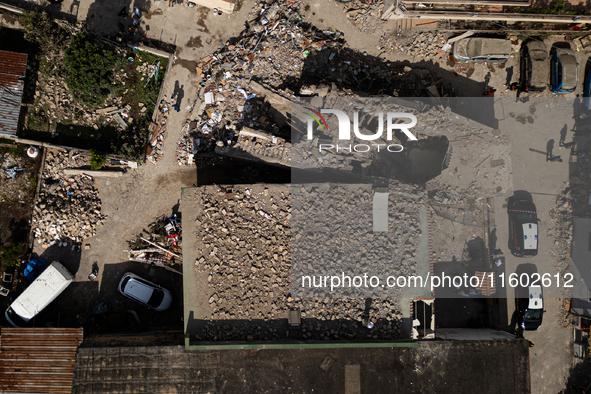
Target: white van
(39, 294)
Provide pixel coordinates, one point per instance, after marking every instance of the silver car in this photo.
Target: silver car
(145, 292)
(478, 50)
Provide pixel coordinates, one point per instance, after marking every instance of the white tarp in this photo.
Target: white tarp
(380, 212)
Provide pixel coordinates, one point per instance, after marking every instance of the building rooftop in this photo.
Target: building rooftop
(13, 67)
(459, 367)
(239, 279)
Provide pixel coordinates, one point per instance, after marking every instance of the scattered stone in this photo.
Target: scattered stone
(68, 208)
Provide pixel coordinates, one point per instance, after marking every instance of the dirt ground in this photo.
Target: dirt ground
(16, 196)
(131, 203)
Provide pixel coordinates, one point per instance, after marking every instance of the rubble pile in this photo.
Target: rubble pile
(255, 145)
(162, 245)
(434, 121)
(157, 133)
(68, 208)
(275, 59)
(332, 229)
(54, 101)
(562, 231)
(273, 50)
(365, 15)
(244, 249)
(244, 254)
(55, 104)
(424, 45)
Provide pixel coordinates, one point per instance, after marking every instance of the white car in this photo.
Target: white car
(145, 292)
(480, 49)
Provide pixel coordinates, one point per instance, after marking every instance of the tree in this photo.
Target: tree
(42, 30)
(90, 70)
(97, 160)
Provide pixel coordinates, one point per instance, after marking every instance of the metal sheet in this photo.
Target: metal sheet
(13, 67)
(38, 360)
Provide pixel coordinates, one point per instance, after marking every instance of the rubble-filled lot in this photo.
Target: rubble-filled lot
(250, 80)
(69, 207)
(117, 119)
(244, 255)
(18, 183)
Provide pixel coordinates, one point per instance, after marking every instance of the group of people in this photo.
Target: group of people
(135, 17)
(514, 86)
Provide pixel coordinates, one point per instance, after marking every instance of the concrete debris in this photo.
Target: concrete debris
(250, 80)
(343, 243)
(68, 208)
(422, 45)
(244, 255)
(258, 146)
(157, 133)
(365, 15)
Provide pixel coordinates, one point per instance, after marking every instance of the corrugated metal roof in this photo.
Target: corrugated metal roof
(13, 63)
(13, 67)
(38, 360)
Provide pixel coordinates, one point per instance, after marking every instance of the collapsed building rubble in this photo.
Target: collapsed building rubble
(243, 246)
(68, 209)
(365, 15)
(251, 79)
(157, 133)
(427, 45)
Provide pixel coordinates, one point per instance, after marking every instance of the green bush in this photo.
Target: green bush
(97, 159)
(90, 70)
(131, 143)
(10, 254)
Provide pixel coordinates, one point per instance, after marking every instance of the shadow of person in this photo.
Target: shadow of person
(577, 107)
(509, 76)
(563, 135)
(549, 148)
(180, 95)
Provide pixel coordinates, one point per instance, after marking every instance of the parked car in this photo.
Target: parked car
(145, 292)
(523, 228)
(535, 66)
(480, 49)
(564, 71)
(587, 89)
(531, 309)
(48, 285)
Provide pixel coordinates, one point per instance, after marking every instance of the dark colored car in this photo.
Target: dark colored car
(531, 308)
(587, 89)
(535, 67)
(564, 71)
(523, 228)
